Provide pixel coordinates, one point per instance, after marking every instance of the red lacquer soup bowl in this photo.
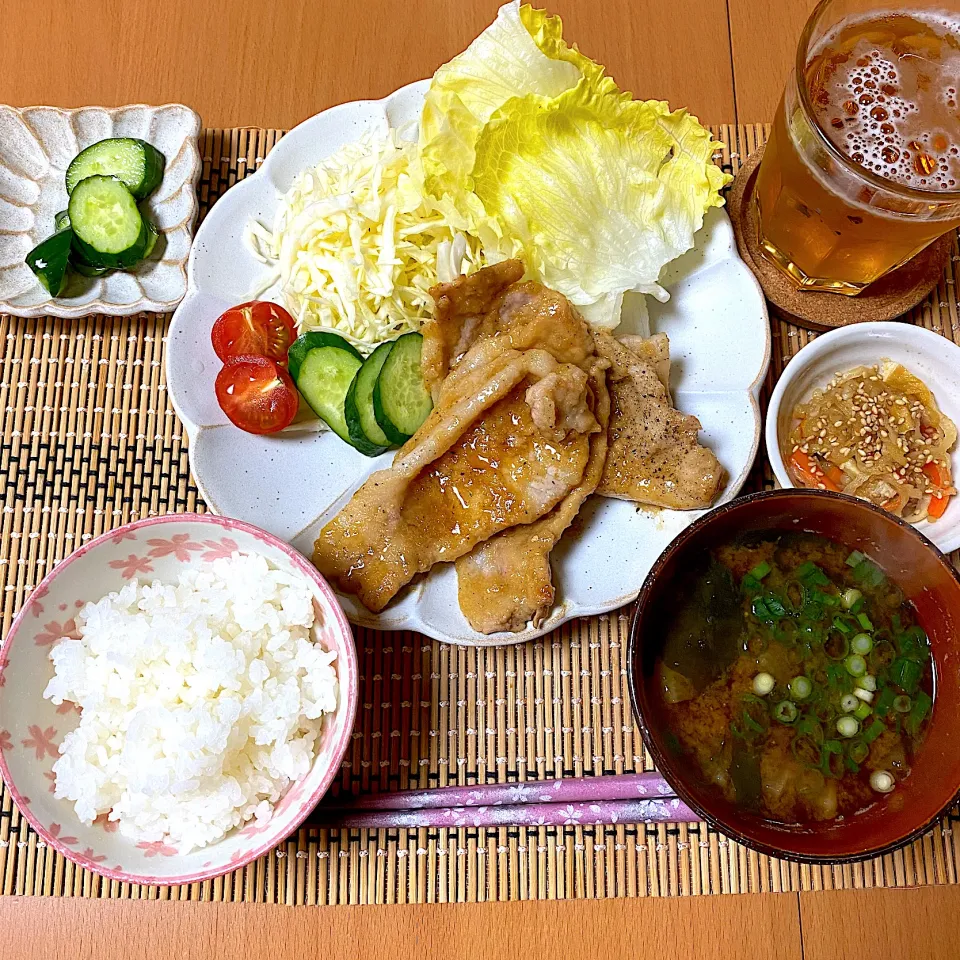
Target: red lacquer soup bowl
(926, 578)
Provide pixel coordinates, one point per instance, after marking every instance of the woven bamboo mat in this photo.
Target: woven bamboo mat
(90, 442)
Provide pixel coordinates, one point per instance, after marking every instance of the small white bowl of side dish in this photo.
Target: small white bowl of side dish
(36, 147)
(929, 356)
(35, 728)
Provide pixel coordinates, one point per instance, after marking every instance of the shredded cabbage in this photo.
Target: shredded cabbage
(356, 244)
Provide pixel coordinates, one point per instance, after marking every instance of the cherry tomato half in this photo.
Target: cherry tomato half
(255, 329)
(257, 394)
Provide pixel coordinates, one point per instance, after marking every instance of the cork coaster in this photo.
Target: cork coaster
(887, 299)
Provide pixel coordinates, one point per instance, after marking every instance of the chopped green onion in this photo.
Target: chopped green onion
(863, 711)
(913, 644)
(760, 609)
(873, 731)
(763, 683)
(884, 701)
(751, 723)
(918, 713)
(849, 703)
(829, 750)
(906, 674)
(850, 597)
(810, 726)
(902, 704)
(868, 574)
(882, 655)
(756, 719)
(862, 643)
(750, 585)
(801, 687)
(881, 781)
(868, 682)
(858, 751)
(760, 570)
(840, 625)
(836, 675)
(786, 711)
(775, 606)
(856, 665)
(865, 695)
(864, 621)
(854, 559)
(810, 572)
(796, 595)
(836, 646)
(848, 726)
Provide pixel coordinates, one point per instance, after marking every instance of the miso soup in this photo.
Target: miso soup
(794, 676)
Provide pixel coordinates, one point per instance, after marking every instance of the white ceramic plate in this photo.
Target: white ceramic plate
(290, 485)
(934, 359)
(36, 147)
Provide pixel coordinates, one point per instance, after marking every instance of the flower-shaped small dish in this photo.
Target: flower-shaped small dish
(36, 147)
(32, 728)
(928, 355)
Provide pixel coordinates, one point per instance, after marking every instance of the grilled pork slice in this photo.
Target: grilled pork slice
(653, 454)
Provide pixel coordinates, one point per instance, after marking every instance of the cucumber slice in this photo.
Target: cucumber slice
(85, 270)
(77, 261)
(48, 260)
(401, 401)
(310, 341)
(152, 236)
(358, 405)
(323, 366)
(137, 163)
(61, 221)
(108, 230)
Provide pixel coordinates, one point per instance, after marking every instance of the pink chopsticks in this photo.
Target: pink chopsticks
(621, 798)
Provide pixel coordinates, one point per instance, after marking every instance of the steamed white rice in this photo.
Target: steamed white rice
(201, 703)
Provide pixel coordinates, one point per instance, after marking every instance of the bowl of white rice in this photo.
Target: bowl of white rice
(175, 698)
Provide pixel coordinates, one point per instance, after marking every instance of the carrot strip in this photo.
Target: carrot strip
(810, 475)
(933, 472)
(937, 506)
(941, 497)
(835, 474)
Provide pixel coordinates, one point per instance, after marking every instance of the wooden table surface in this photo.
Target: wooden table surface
(274, 64)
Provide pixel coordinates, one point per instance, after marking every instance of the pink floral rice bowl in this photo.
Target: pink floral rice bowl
(31, 728)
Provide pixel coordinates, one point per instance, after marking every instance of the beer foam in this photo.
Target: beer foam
(880, 103)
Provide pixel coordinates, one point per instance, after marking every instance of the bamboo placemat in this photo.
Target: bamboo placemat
(90, 441)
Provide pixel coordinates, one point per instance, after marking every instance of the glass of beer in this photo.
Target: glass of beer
(862, 170)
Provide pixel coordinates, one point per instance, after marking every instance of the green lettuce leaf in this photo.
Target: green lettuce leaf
(527, 145)
(503, 62)
(547, 34)
(598, 193)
